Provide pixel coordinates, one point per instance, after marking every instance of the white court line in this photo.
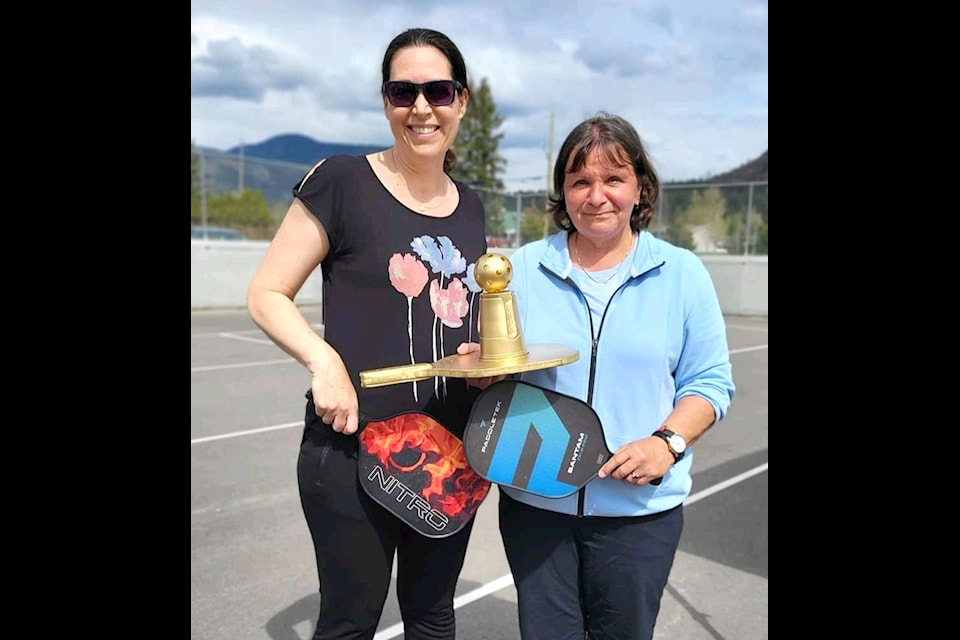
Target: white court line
(709, 491)
(220, 334)
(396, 630)
(745, 349)
(240, 365)
(746, 328)
(233, 336)
(236, 335)
(236, 434)
(493, 586)
(502, 582)
(248, 432)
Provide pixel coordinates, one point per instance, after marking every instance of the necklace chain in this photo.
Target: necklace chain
(576, 250)
(401, 181)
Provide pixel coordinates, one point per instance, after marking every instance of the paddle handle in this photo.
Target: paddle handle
(362, 422)
(393, 375)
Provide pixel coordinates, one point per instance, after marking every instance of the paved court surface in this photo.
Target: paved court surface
(252, 568)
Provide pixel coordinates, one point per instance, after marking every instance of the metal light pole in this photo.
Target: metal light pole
(516, 235)
(240, 169)
(203, 196)
(546, 217)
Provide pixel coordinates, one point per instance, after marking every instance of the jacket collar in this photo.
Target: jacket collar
(558, 260)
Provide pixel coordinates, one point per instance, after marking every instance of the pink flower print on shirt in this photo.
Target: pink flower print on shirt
(449, 304)
(444, 258)
(408, 276)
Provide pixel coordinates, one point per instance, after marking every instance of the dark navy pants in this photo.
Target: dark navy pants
(593, 577)
(355, 540)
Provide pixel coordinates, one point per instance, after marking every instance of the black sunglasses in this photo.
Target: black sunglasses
(439, 93)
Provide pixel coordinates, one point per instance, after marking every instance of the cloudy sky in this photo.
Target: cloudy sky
(691, 75)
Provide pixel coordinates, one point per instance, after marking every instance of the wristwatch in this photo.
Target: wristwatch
(675, 442)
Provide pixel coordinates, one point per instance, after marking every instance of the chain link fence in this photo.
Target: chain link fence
(252, 195)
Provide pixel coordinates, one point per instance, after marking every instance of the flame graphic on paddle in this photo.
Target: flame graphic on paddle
(429, 459)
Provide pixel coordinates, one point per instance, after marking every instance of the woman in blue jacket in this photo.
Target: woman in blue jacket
(655, 366)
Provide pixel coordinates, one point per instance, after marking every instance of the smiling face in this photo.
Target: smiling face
(601, 195)
(422, 128)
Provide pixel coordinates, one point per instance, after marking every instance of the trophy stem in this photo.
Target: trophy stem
(500, 335)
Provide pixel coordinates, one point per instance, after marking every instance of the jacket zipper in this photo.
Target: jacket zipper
(582, 492)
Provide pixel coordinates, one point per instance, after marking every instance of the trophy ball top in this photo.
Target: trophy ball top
(493, 272)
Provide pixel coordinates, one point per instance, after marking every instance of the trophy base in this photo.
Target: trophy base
(539, 356)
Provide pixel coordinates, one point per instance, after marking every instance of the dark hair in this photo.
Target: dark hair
(621, 145)
(418, 37)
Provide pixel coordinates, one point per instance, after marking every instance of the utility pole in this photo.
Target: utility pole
(546, 216)
(203, 194)
(550, 157)
(516, 233)
(240, 169)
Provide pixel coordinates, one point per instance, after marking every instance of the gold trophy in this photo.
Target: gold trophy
(502, 349)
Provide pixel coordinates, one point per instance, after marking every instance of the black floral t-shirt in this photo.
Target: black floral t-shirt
(398, 286)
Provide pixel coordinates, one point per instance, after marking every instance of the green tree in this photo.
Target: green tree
(679, 235)
(194, 170)
(705, 212)
(195, 185)
(736, 230)
(535, 224)
(756, 244)
(479, 162)
(245, 210)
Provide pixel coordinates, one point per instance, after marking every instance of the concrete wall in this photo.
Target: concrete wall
(741, 283)
(220, 272)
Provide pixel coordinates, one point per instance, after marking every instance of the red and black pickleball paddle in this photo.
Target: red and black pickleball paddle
(527, 437)
(415, 468)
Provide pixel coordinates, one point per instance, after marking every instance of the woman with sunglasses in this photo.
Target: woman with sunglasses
(397, 239)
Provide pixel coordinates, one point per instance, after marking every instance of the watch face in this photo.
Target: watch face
(677, 443)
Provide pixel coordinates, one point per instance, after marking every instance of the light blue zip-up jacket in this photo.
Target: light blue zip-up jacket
(662, 337)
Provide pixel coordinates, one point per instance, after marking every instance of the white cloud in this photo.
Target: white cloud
(691, 76)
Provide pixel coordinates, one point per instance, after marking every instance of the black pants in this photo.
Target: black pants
(594, 577)
(355, 540)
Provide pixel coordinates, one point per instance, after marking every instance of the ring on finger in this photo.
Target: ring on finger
(634, 476)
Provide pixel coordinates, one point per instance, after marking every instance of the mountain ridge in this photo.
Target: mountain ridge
(752, 171)
(299, 149)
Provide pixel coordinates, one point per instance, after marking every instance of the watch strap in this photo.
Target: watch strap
(665, 434)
